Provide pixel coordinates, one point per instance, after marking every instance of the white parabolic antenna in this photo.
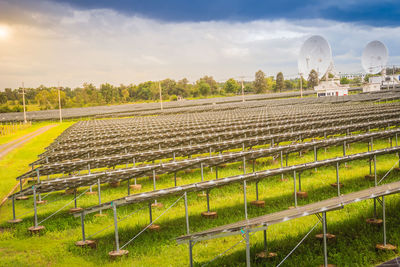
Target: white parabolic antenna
(374, 57)
(315, 54)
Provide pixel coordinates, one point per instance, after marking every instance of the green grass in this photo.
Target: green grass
(19, 133)
(16, 162)
(354, 245)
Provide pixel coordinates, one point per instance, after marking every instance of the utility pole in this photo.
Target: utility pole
(159, 87)
(301, 85)
(242, 90)
(59, 101)
(393, 78)
(23, 100)
(242, 79)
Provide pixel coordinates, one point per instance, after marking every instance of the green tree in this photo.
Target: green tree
(344, 80)
(204, 88)
(212, 83)
(125, 94)
(231, 86)
(313, 79)
(280, 82)
(260, 84)
(3, 98)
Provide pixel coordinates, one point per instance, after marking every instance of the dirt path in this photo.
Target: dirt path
(10, 146)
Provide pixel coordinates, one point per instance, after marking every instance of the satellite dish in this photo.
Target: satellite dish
(315, 54)
(374, 57)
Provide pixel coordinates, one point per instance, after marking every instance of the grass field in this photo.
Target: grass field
(19, 133)
(355, 244)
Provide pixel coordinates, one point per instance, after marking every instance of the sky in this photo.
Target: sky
(71, 42)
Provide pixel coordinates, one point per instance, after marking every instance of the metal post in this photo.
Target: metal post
(315, 155)
(210, 157)
(202, 172)
(295, 193)
(13, 207)
(370, 164)
(325, 248)
(99, 192)
(116, 226)
(208, 201)
(337, 178)
(186, 214)
(34, 205)
(344, 148)
(384, 220)
(376, 181)
(154, 184)
(254, 165)
(244, 165)
(83, 226)
(20, 184)
(257, 190)
(190, 253)
(245, 199)
(150, 213)
(265, 241)
(299, 181)
(247, 248)
(175, 178)
(38, 179)
(281, 164)
(75, 202)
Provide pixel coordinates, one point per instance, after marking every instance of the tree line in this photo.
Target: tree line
(172, 90)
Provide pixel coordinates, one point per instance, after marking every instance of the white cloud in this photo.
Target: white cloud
(76, 46)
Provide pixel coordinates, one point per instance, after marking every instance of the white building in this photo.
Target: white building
(331, 88)
(375, 83)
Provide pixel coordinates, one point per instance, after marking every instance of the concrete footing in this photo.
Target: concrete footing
(86, 243)
(157, 205)
(266, 255)
(36, 230)
(334, 185)
(258, 203)
(74, 210)
(15, 221)
(136, 187)
(374, 221)
(154, 227)
(302, 194)
(387, 247)
(328, 236)
(117, 254)
(209, 214)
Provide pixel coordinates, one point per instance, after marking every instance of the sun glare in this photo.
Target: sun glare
(4, 32)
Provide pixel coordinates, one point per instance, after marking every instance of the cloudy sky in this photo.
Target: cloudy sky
(97, 41)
